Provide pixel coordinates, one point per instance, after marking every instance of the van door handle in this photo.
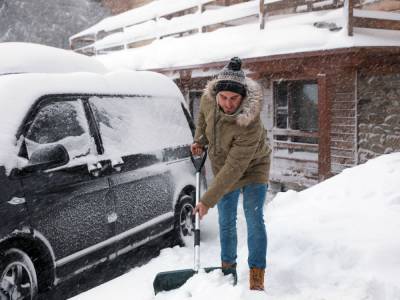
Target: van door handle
(117, 164)
(111, 218)
(95, 169)
(16, 201)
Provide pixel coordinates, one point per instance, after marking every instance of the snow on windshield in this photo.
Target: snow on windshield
(60, 123)
(132, 125)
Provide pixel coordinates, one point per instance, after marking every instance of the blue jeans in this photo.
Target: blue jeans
(253, 205)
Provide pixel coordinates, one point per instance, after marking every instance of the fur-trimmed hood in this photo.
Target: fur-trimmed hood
(250, 107)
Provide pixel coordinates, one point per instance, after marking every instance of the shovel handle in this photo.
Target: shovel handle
(198, 164)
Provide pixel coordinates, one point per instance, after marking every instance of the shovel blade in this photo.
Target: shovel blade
(167, 281)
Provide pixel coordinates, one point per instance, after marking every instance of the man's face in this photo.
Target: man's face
(229, 101)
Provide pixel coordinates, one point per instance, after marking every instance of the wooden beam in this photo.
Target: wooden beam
(356, 55)
(350, 18)
(262, 14)
(278, 5)
(295, 146)
(376, 23)
(324, 154)
(296, 133)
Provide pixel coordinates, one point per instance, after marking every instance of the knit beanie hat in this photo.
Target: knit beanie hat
(231, 78)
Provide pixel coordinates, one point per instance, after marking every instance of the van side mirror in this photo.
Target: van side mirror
(47, 157)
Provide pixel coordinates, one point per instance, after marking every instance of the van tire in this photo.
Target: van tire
(184, 220)
(18, 277)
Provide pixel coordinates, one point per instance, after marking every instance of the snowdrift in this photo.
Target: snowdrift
(336, 240)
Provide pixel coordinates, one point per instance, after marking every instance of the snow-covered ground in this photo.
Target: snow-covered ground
(336, 240)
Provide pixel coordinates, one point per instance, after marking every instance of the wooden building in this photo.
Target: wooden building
(324, 110)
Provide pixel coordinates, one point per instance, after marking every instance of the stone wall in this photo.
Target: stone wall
(378, 115)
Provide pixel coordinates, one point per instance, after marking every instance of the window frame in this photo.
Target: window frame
(45, 101)
(288, 134)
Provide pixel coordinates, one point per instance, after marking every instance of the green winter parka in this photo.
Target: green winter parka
(237, 144)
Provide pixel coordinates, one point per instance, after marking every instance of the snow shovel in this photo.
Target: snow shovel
(166, 281)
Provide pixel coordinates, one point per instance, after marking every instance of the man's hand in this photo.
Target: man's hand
(202, 209)
(196, 149)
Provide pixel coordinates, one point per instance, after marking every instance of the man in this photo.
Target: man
(229, 124)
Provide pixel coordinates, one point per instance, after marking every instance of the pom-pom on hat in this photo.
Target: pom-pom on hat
(231, 78)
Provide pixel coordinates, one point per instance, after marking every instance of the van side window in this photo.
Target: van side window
(140, 124)
(61, 122)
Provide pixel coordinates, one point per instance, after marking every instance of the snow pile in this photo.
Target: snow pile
(339, 239)
(336, 240)
(35, 58)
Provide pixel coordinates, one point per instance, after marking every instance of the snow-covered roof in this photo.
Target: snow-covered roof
(283, 34)
(28, 58)
(141, 14)
(18, 92)
(163, 27)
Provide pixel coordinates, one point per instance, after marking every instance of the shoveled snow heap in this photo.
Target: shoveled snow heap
(336, 240)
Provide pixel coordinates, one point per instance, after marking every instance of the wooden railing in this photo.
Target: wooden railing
(199, 20)
(271, 7)
(369, 19)
(89, 39)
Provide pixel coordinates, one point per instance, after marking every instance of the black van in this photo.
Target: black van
(91, 167)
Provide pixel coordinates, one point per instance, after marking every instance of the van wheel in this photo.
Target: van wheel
(184, 220)
(18, 278)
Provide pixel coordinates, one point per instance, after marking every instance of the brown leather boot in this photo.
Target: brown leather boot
(257, 279)
(228, 268)
(226, 265)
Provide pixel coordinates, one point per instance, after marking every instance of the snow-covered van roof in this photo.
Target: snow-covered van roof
(18, 92)
(28, 58)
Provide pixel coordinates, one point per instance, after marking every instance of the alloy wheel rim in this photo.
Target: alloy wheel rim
(16, 282)
(186, 220)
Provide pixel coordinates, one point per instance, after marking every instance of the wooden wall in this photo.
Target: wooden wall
(353, 85)
(343, 120)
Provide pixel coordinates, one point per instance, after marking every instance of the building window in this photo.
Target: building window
(296, 111)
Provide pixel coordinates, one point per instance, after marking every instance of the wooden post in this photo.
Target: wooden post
(350, 6)
(324, 120)
(124, 34)
(94, 44)
(200, 10)
(185, 77)
(261, 14)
